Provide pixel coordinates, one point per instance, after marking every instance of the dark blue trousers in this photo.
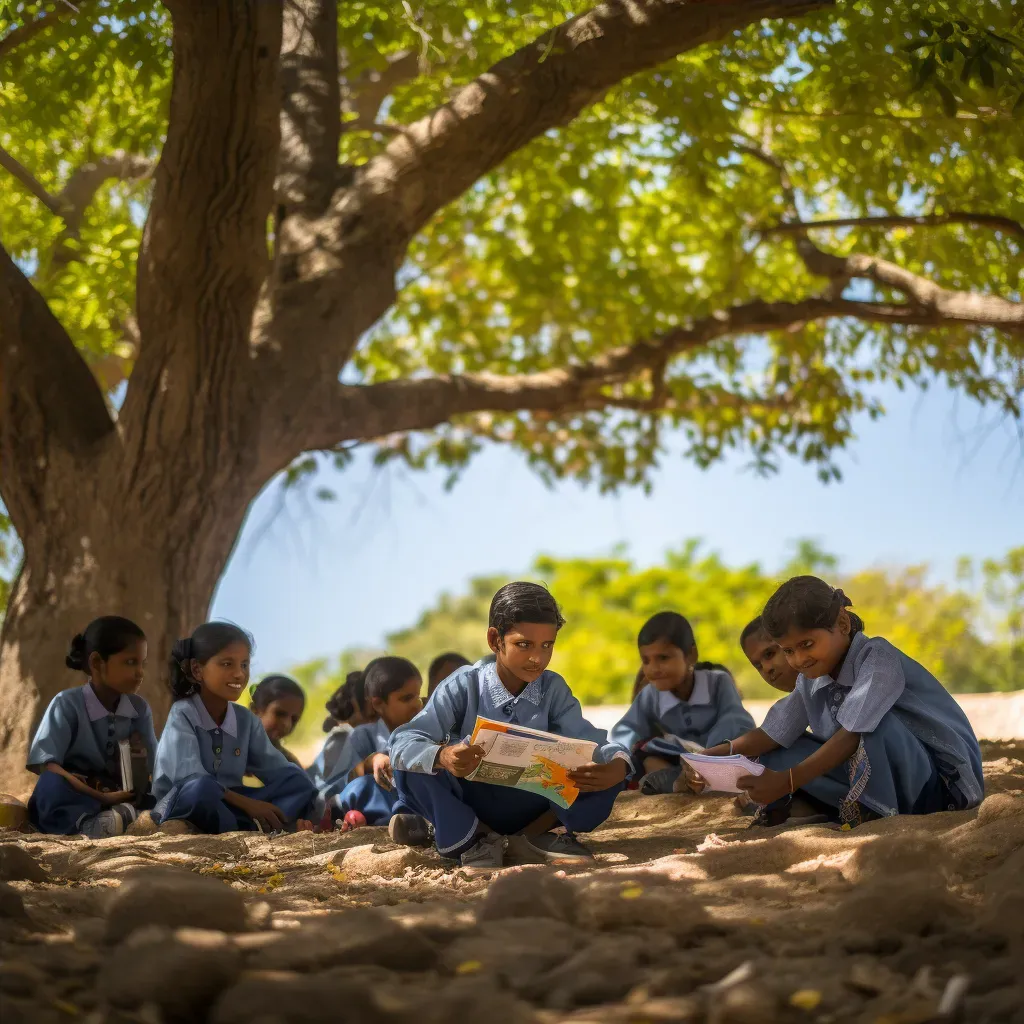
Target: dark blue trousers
(455, 807)
(201, 801)
(57, 808)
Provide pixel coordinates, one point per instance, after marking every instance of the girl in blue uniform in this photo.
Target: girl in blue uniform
(362, 779)
(430, 756)
(346, 710)
(210, 743)
(885, 737)
(76, 749)
(686, 704)
(278, 702)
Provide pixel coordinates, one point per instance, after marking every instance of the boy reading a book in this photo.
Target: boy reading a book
(431, 758)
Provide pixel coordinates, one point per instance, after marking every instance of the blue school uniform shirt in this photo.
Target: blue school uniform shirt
(82, 736)
(326, 760)
(877, 679)
(193, 745)
(713, 714)
(371, 738)
(451, 713)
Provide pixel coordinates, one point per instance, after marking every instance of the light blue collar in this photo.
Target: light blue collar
(95, 710)
(699, 696)
(202, 719)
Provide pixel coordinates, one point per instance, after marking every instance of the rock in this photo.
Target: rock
(515, 951)
(174, 899)
(143, 825)
(530, 892)
(468, 998)
(13, 813)
(18, 865)
(12, 906)
(440, 923)
(20, 978)
(181, 972)
(363, 936)
(901, 909)
(614, 907)
(1000, 805)
(746, 1003)
(354, 995)
(873, 977)
(369, 861)
(602, 972)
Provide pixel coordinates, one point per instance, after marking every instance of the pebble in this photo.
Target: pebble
(530, 893)
(369, 862)
(18, 865)
(181, 972)
(745, 1003)
(175, 899)
(362, 936)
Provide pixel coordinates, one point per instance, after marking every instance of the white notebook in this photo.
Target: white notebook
(721, 773)
(125, 750)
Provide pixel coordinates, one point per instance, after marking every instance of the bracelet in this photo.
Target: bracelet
(792, 788)
(730, 747)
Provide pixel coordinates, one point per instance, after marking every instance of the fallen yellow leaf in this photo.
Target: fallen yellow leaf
(468, 967)
(631, 892)
(805, 999)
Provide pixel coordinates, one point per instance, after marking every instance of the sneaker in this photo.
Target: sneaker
(555, 846)
(109, 823)
(660, 781)
(410, 830)
(487, 852)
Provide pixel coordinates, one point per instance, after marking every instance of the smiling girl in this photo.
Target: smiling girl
(885, 736)
(278, 701)
(685, 704)
(210, 743)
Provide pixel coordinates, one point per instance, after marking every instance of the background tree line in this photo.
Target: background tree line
(971, 637)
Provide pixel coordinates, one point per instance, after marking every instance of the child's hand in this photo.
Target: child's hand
(269, 815)
(380, 765)
(461, 759)
(121, 796)
(591, 778)
(765, 788)
(719, 750)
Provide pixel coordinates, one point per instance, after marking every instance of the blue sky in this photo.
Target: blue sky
(933, 479)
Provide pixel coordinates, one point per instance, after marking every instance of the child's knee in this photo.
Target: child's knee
(205, 790)
(52, 787)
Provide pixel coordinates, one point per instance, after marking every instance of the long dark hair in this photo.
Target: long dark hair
(805, 602)
(105, 636)
(208, 640)
(674, 629)
(271, 688)
(346, 700)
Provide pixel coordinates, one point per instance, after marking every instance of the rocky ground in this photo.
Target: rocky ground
(686, 917)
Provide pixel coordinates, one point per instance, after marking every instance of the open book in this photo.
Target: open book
(529, 759)
(721, 773)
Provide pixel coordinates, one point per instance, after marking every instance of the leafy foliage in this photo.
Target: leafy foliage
(972, 638)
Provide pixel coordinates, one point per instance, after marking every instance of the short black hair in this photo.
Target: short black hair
(752, 628)
(272, 688)
(442, 661)
(523, 602)
(106, 636)
(671, 627)
(806, 602)
(386, 675)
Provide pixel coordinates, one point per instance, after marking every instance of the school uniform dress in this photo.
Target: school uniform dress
(83, 737)
(659, 723)
(455, 807)
(917, 753)
(361, 794)
(323, 767)
(197, 760)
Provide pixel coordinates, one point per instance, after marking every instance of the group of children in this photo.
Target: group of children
(862, 731)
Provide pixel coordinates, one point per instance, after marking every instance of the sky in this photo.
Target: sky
(932, 480)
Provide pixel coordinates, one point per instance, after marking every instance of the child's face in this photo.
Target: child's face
(817, 652)
(402, 705)
(525, 650)
(122, 672)
(226, 674)
(666, 666)
(281, 716)
(766, 656)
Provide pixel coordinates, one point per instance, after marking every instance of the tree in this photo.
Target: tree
(239, 233)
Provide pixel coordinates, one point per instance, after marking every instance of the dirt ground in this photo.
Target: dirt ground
(687, 916)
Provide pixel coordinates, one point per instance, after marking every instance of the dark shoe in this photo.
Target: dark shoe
(555, 846)
(487, 853)
(660, 781)
(410, 830)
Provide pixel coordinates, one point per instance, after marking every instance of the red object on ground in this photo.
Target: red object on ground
(355, 819)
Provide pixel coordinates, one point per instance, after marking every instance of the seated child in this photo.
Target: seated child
(686, 704)
(362, 778)
(441, 668)
(431, 755)
(209, 744)
(347, 710)
(766, 656)
(885, 736)
(76, 749)
(278, 702)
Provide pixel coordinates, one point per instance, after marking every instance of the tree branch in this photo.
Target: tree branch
(18, 170)
(991, 220)
(366, 95)
(368, 412)
(311, 106)
(24, 33)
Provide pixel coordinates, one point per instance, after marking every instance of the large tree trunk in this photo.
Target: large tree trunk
(118, 557)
